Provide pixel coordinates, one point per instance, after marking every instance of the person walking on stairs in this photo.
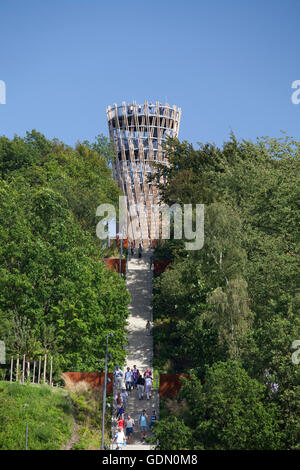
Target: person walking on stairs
(148, 328)
(118, 399)
(148, 386)
(128, 379)
(119, 404)
(121, 422)
(131, 249)
(140, 250)
(120, 411)
(143, 424)
(151, 260)
(129, 428)
(124, 396)
(147, 372)
(118, 377)
(135, 374)
(141, 386)
(120, 439)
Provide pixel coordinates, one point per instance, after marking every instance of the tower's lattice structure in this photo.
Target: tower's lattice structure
(138, 132)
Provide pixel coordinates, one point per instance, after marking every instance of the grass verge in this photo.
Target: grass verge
(46, 410)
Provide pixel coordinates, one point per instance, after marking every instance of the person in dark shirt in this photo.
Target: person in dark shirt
(141, 386)
(151, 260)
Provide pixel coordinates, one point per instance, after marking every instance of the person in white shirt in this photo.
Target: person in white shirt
(120, 439)
(118, 377)
(148, 386)
(128, 379)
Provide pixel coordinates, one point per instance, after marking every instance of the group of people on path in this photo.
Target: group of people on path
(133, 380)
(140, 253)
(126, 428)
(143, 383)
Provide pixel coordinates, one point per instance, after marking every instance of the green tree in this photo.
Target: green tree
(56, 294)
(230, 314)
(172, 434)
(230, 411)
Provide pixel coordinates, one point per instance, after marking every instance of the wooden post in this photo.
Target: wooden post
(33, 373)
(23, 371)
(26, 437)
(39, 372)
(51, 363)
(28, 371)
(45, 368)
(11, 368)
(17, 372)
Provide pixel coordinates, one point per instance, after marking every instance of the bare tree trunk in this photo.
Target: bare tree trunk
(23, 372)
(11, 368)
(39, 373)
(45, 368)
(51, 363)
(17, 371)
(33, 373)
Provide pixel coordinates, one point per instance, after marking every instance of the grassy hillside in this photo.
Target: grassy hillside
(46, 410)
(57, 418)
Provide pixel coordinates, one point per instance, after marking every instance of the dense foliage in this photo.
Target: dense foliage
(229, 313)
(56, 295)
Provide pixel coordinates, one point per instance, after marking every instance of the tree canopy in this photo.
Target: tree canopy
(236, 299)
(56, 294)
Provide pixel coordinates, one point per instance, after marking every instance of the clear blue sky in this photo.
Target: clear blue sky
(229, 64)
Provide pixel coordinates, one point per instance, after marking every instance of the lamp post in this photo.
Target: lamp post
(121, 256)
(121, 251)
(104, 391)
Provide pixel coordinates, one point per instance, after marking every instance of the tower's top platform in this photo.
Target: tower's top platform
(150, 109)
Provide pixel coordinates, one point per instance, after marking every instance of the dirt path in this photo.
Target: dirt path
(73, 439)
(74, 436)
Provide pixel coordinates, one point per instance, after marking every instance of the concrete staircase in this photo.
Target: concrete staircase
(139, 284)
(140, 344)
(134, 409)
